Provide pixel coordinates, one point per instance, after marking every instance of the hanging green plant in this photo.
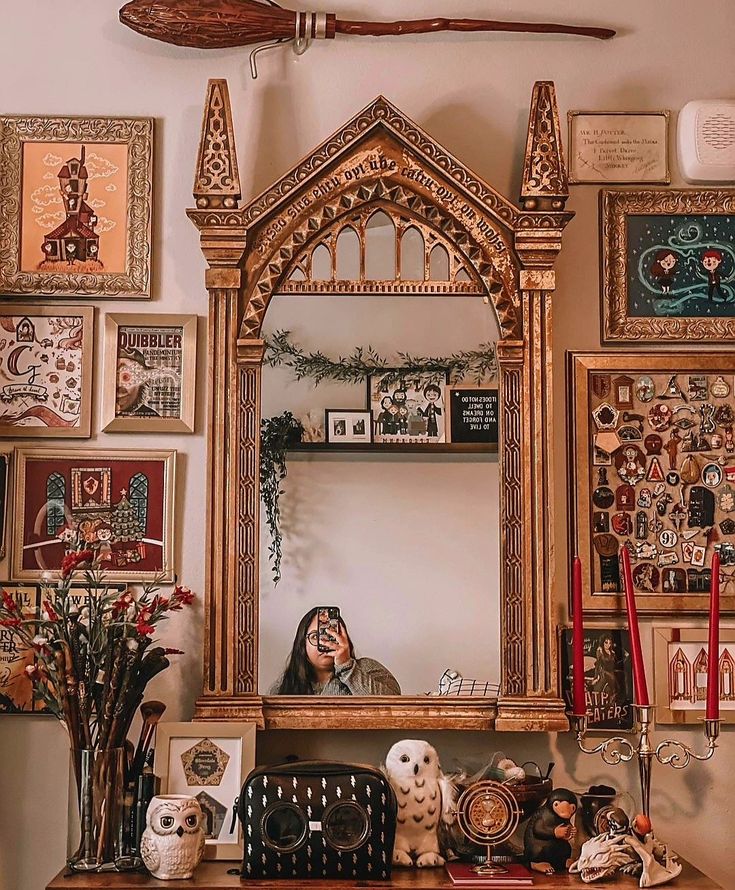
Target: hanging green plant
(475, 364)
(277, 435)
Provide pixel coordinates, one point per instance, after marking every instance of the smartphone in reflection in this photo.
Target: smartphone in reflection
(326, 628)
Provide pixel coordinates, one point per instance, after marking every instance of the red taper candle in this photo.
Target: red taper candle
(713, 652)
(640, 688)
(579, 700)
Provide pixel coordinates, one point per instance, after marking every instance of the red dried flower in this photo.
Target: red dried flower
(73, 560)
(144, 629)
(48, 610)
(121, 605)
(10, 622)
(173, 652)
(183, 596)
(10, 604)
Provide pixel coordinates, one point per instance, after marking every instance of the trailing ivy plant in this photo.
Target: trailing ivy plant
(277, 435)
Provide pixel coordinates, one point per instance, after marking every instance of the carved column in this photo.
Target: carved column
(529, 687)
(223, 239)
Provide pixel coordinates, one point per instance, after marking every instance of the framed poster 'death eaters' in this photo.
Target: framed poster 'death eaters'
(121, 502)
(652, 468)
(608, 676)
(668, 271)
(407, 408)
(150, 373)
(77, 219)
(46, 370)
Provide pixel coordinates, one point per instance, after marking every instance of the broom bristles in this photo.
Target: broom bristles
(209, 23)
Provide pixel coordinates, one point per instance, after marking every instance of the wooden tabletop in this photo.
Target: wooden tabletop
(213, 876)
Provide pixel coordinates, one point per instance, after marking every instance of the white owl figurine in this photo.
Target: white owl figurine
(425, 798)
(172, 844)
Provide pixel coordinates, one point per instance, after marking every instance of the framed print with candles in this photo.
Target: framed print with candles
(608, 680)
(681, 662)
(652, 468)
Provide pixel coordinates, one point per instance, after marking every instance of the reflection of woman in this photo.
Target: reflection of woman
(336, 672)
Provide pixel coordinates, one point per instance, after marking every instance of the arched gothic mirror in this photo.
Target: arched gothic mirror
(437, 558)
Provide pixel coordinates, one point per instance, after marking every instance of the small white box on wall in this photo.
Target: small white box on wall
(706, 140)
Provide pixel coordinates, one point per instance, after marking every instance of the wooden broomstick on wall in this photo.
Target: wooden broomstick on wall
(214, 24)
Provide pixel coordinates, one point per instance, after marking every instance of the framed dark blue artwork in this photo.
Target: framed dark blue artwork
(668, 271)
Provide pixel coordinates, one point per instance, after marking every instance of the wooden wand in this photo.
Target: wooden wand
(215, 24)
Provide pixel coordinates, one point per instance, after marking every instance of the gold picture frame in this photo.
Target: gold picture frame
(127, 494)
(176, 745)
(75, 219)
(608, 483)
(664, 640)
(160, 367)
(643, 301)
(618, 147)
(49, 370)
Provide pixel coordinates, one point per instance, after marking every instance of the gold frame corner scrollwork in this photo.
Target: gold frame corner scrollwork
(617, 325)
(381, 159)
(137, 134)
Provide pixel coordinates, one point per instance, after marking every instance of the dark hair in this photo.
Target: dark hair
(657, 269)
(298, 677)
(432, 386)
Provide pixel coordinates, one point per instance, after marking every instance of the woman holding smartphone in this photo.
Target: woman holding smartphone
(334, 671)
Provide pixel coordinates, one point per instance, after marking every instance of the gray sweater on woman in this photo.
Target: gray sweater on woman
(358, 676)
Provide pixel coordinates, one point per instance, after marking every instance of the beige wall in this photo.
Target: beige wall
(471, 93)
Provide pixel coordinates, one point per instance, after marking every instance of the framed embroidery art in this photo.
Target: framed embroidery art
(76, 215)
(46, 370)
(121, 501)
(680, 662)
(652, 468)
(668, 265)
(149, 373)
(209, 761)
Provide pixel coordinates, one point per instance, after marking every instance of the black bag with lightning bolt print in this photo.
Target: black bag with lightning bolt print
(317, 819)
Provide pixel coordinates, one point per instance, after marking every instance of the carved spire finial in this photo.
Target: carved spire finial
(545, 185)
(217, 181)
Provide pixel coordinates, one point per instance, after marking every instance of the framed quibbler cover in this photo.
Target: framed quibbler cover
(150, 373)
(608, 676)
(680, 662)
(46, 370)
(120, 501)
(75, 218)
(652, 468)
(16, 689)
(668, 265)
(209, 761)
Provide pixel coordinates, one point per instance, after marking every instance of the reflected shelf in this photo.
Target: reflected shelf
(397, 447)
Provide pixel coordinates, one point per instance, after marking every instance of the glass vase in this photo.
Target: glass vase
(102, 827)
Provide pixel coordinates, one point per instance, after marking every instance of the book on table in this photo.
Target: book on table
(463, 874)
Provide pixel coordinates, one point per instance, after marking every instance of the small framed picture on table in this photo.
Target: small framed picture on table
(347, 427)
(210, 762)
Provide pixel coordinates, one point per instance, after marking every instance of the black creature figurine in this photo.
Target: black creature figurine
(547, 847)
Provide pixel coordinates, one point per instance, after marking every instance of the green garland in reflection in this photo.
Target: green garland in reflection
(475, 364)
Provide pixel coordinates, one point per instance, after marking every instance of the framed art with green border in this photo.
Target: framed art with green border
(668, 265)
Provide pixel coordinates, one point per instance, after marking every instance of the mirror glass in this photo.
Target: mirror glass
(405, 545)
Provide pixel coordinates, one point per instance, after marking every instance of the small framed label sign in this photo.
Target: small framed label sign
(473, 414)
(618, 146)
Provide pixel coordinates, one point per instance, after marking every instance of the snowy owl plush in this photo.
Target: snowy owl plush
(425, 798)
(172, 844)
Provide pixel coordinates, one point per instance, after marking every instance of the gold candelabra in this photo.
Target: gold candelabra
(618, 749)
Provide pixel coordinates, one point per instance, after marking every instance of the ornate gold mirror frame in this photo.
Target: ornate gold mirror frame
(380, 160)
